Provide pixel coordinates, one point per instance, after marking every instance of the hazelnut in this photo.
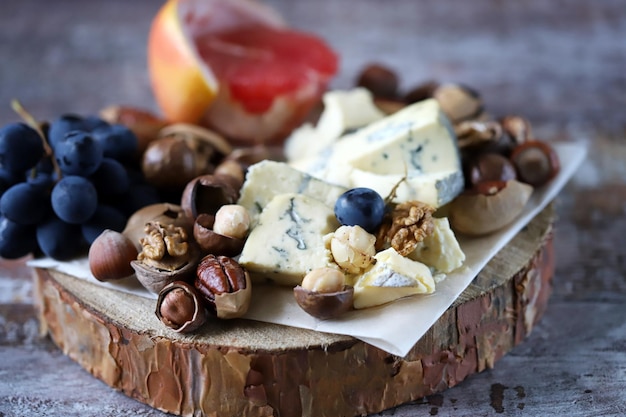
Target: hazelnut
(110, 255)
(491, 167)
(517, 128)
(225, 286)
(180, 307)
(323, 293)
(536, 162)
(212, 242)
(380, 80)
(458, 102)
(488, 207)
(232, 220)
(353, 249)
(181, 153)
(474, 133)
(206, 194)
(231, 169)
(324, 280)
(170, 162)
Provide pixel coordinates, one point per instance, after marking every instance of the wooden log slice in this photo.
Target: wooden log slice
(247, 368)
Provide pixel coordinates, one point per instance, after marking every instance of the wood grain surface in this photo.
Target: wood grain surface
(561, 63)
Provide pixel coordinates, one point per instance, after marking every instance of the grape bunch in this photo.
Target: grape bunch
(57, 195)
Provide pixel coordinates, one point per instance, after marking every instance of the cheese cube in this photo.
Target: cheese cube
(392, 277)
(288, 240)
(343, 111)
(440, 249)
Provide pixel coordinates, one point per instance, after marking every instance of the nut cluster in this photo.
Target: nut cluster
(352, 248)
(408, 224)
(165, 246)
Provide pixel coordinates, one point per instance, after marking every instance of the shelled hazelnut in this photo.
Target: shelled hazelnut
(324, 294)
(353, 249)
(210, 241)
(180, 307)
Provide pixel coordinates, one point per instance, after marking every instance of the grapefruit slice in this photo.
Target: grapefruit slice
(236, 67)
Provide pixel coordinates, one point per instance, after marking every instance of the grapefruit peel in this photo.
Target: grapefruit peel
(188, 90)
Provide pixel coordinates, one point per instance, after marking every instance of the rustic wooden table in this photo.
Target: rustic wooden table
(562, 64)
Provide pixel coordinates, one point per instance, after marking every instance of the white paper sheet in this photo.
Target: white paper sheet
(394, 327)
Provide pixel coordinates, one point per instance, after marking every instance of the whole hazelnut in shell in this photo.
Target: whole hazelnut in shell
(110, 256)
(181, 153)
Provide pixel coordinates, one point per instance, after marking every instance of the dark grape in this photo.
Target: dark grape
(78, 154)
(45, 165)
(16, 240)
(140, 195)
(60, 127)
(43, 180)
(360, 206)
(25, 203)
(118, 141)
(105, 217)
(91, 123)
(8, 179)
(74, 199)
(21, 147)
(111, 178)
(60, 240)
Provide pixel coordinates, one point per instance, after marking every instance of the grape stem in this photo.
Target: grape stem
(30, 121)
(394, 190)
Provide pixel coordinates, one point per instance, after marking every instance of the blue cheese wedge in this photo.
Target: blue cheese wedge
(267, 179)
(440, 250)
(392, 277)
(417, 142)
(288, 240)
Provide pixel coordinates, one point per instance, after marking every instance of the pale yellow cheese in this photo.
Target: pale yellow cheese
(440, 250)
(288, 240)
(392, 277)
(267, 179)
(417, 142)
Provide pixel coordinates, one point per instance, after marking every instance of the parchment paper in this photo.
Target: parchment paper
(394, 327)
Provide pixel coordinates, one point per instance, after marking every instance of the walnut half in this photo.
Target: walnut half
(166, 255)
(408, 224)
